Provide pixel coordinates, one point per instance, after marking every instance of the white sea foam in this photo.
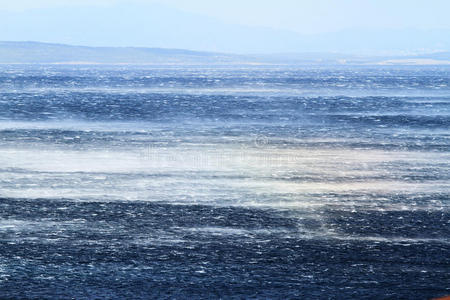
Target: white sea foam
(203, 174)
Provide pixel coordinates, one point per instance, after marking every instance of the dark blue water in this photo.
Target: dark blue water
(137, 183)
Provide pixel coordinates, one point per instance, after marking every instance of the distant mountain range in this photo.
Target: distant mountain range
(47, 53)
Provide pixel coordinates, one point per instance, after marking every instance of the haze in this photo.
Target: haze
(351, 26)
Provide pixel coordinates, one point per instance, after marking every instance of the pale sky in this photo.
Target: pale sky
(238, 26)
(303, 16)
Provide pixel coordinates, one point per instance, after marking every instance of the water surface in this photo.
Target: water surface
(122, 182)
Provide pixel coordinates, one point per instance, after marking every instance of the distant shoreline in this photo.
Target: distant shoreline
(60, 54)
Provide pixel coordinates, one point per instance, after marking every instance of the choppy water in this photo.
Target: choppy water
(244, 182)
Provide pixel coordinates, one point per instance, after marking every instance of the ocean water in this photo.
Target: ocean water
(233, 182)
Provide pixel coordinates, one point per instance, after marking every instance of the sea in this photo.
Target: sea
(224, 182)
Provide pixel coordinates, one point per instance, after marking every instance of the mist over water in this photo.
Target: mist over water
(245, 182)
